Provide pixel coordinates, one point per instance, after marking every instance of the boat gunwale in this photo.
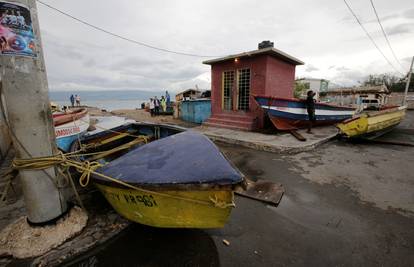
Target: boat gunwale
(60, 119)
(301, 101)
(170, 187)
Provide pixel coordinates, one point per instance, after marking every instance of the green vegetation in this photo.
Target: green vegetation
(393, 83)
(300, 88)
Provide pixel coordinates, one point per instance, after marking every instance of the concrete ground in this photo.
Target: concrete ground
(273, 141)
(346, 204)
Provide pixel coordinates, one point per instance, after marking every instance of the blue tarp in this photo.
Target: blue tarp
(184, 158)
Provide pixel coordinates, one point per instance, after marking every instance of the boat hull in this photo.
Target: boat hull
(168, 212)
(291, 114)
(372, 124)
(68, 132)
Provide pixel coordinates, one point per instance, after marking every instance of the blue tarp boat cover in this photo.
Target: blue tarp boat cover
(184, 158)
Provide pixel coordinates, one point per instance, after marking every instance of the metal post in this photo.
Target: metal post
(407, 84)
(25, 90)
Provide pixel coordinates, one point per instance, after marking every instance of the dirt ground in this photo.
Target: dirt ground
(141, 115)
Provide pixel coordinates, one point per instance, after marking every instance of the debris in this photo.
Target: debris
(263, 190)
(226, 242)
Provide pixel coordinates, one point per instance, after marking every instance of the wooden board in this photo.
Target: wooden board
(265, 191)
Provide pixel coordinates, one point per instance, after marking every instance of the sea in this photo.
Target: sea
(106, 99)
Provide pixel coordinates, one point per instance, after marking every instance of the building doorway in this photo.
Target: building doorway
(243, 89)
(228, 83)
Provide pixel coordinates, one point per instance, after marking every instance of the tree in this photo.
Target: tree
(392, 82)
(300, 88)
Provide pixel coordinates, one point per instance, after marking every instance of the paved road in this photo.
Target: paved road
(346, 204)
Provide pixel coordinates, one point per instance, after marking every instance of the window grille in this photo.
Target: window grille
(228, 81)
(244, 89)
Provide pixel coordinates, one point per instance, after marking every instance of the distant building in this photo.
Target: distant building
(188, 94)
(316, 85)
(236, 78)
(353, 96)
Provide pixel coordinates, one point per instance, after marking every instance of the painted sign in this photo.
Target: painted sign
(16, 32)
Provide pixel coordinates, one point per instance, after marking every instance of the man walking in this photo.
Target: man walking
(310, 106)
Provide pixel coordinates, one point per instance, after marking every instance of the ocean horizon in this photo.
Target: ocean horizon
(107, 99)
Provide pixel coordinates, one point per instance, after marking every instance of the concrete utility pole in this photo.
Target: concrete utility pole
(407, 84)
(25, 90)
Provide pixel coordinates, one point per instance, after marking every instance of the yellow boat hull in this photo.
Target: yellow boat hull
(372, 123)
(171, 212)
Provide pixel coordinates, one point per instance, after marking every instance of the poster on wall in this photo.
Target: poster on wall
(16, 32)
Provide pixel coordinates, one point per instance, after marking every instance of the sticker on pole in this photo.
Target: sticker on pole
(16, 32)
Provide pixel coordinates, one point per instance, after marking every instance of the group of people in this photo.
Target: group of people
(155, 104)
(73, 99)
(13, 19)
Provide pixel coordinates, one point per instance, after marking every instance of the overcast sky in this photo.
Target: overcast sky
(322, 33)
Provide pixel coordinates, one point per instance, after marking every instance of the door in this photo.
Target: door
(227, 92)
(243, 89)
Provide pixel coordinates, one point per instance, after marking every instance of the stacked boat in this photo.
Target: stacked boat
(70, 125)
(162, 176)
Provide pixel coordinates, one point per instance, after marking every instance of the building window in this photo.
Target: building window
(228, 81)
(244, 89)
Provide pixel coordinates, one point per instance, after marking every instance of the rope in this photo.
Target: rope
(87, 168)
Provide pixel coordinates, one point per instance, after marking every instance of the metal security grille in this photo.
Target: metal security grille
(228, 81)
(244, 89)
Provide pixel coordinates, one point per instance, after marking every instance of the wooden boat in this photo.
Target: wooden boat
(178, 179)
(69, 126)
(290, 114)
(370, 124)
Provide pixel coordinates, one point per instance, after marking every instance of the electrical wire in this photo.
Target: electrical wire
(385, 35)
(372, 40)
(120, 36)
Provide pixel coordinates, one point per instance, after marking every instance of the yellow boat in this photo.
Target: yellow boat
(179, 181)
(371, 124)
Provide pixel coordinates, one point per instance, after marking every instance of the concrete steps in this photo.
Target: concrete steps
(232, 121)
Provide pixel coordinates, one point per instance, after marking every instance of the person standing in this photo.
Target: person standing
(310, 107)
(152, 107)
(167, 96)
(163, 104)
(157, 106)
(78, 99)
(72, 101)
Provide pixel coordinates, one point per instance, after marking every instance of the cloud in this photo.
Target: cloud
(82, 58)
(342, 68)
(409, 13)
(310, 68)
(401, 29)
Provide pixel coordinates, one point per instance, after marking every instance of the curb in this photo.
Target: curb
(270, 148)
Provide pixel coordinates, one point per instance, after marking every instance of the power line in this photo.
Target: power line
(121, 37)
(369, 36)
(385, 35)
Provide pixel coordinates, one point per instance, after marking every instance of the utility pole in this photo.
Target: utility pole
(25, 90)
(407, 84)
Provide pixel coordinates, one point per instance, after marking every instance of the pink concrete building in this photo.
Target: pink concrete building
(236, 78)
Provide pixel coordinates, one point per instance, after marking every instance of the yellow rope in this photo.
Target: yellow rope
(87, 168)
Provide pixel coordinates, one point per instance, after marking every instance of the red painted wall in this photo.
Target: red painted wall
(269, 76)
(280, 78)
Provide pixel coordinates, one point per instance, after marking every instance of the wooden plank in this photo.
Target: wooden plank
(297, 135)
